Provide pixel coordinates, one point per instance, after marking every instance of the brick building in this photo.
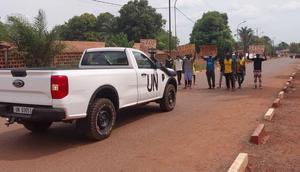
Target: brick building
(69, 57)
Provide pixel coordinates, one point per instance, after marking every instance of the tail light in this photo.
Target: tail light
(59, 86)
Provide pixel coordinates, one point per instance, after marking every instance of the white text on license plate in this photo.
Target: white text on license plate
(22, 110)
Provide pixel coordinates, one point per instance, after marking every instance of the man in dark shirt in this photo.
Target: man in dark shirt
(210, 71)
(169, 62)
(221, 63)
(257, 68)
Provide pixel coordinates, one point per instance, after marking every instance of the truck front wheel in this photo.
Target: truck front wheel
(100, 119)
(37, 127)
(168, 102)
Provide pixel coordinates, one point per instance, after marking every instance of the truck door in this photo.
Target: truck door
(148, 78)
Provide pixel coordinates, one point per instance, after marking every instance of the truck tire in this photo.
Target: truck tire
(168, 102)
(37, 127)
(100, 119)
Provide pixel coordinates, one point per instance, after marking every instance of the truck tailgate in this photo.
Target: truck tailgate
(35, 89)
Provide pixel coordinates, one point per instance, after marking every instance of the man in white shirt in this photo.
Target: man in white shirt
(178, 68)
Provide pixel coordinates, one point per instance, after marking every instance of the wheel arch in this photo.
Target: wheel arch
(173, 82)
(106, 91)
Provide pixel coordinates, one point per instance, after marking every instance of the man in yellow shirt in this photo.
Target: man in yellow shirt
(230, 81)
(241, 70)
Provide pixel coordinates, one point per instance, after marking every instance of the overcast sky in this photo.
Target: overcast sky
(278, 19)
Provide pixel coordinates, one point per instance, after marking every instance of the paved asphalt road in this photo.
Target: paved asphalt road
(204, 133)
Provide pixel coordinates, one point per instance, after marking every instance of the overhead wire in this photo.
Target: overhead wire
(191, 20)
(120, 5)
(108, 3)
(117, 4)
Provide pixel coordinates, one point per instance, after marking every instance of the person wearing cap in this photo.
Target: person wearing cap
(257, 69)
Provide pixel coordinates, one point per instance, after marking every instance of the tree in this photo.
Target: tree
(163, 41)
(139, 20)
(119, 40)
(3, 32)
(213, 29)
(267, 42)
(106, 25)
(38, 45)
(282, 46)
(80, 28)
(295, 47)
(246, 35)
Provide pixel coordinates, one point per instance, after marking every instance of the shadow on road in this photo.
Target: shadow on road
(19, 144)
(132, 114)
(219, 92)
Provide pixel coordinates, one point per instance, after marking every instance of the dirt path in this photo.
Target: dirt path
(282, 150)
(205, 132)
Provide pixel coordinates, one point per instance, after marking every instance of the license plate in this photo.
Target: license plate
(22, 110)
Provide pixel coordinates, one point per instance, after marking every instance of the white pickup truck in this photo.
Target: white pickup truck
(108, 79)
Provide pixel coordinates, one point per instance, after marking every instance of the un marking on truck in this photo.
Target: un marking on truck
(152, 82)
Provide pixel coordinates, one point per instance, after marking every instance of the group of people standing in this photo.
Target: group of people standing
(184, 66)
(232, 67)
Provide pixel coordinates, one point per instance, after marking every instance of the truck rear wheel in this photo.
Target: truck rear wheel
(100, 119)
(37, 127)
(168, 102)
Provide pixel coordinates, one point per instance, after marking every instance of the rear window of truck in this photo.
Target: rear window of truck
(105, 58)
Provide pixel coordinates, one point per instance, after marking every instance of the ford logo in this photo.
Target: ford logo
(19, 83)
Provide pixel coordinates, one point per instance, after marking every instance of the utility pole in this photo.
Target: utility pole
(170, 31)
(175, 17)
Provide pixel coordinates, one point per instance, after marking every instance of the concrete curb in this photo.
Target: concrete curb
(240, 163)
(270, 114)
(276, 103)
(259, 135)
(281, 95)
(285, 89)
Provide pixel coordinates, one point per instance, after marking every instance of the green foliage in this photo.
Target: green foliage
(163, 41)
(106, 25)
(87, 27)
(213, 29)
(3, 32)
(295, 48)
(246, 35)
(282, 46)
(139, 20)
(265, 40)
(119, 40)
(33, 40)
(80, 28)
